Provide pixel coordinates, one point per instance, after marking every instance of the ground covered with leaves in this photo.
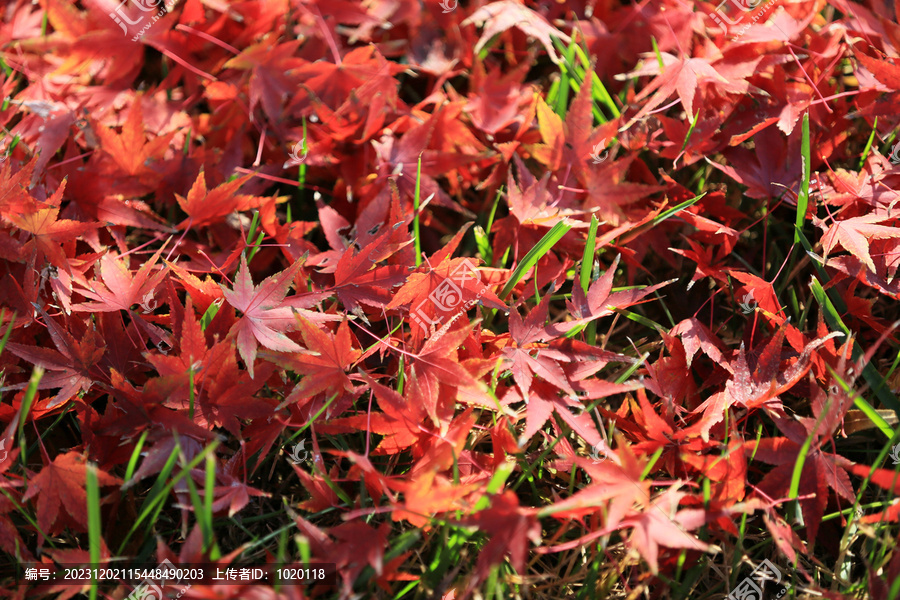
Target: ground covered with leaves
(580, 299)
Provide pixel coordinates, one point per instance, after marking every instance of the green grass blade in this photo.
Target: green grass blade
(301, 174)
(12, 320)
(890, 372)
(630, 370)
(577, 75)
(25, 515)
(560, 101)
(600, 92)
(864, 406)
(482, 243)
(687, 138)
(27, 401)
(13, 144)
(564, 53)
(641, 319)
(93, 515)
(416, 237)
(209, 493)
(135, 454)
(490, 221)
(252, 230)
(659, 58)
(498, 480)
(534, 255)
(887, 148)
(793, 508)
(199, 513)
(153, 503)
(676, 209)
(487, 252)
(315, 416)
(209, 315)
(651, 463)
(803, 196)
(870, 374)
(868, 148)
(553, 93)
(587, 259)
(255, 247)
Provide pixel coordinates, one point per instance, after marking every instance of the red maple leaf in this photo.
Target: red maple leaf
(526, 337)
(60, 489)
(355, 546)
(266, 315)
(600, 300)
(207, 207)
(48, 230)
(661, 524)
(884, 68)
(500, 16)
(357, 280)
(758, 379)
(70, 364)
(130, 149)
(271, 66)
(508, 527)
(441, 288)
(398, 158)
(232, 492)
(608, 191)
(399, 420)
(684, 76)
(119, 289)
(616, 485)
(853, 235)
(821, 470)
(435, 374)
(774, 162)
(544, 400)
(332, 84)
(324, 366)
